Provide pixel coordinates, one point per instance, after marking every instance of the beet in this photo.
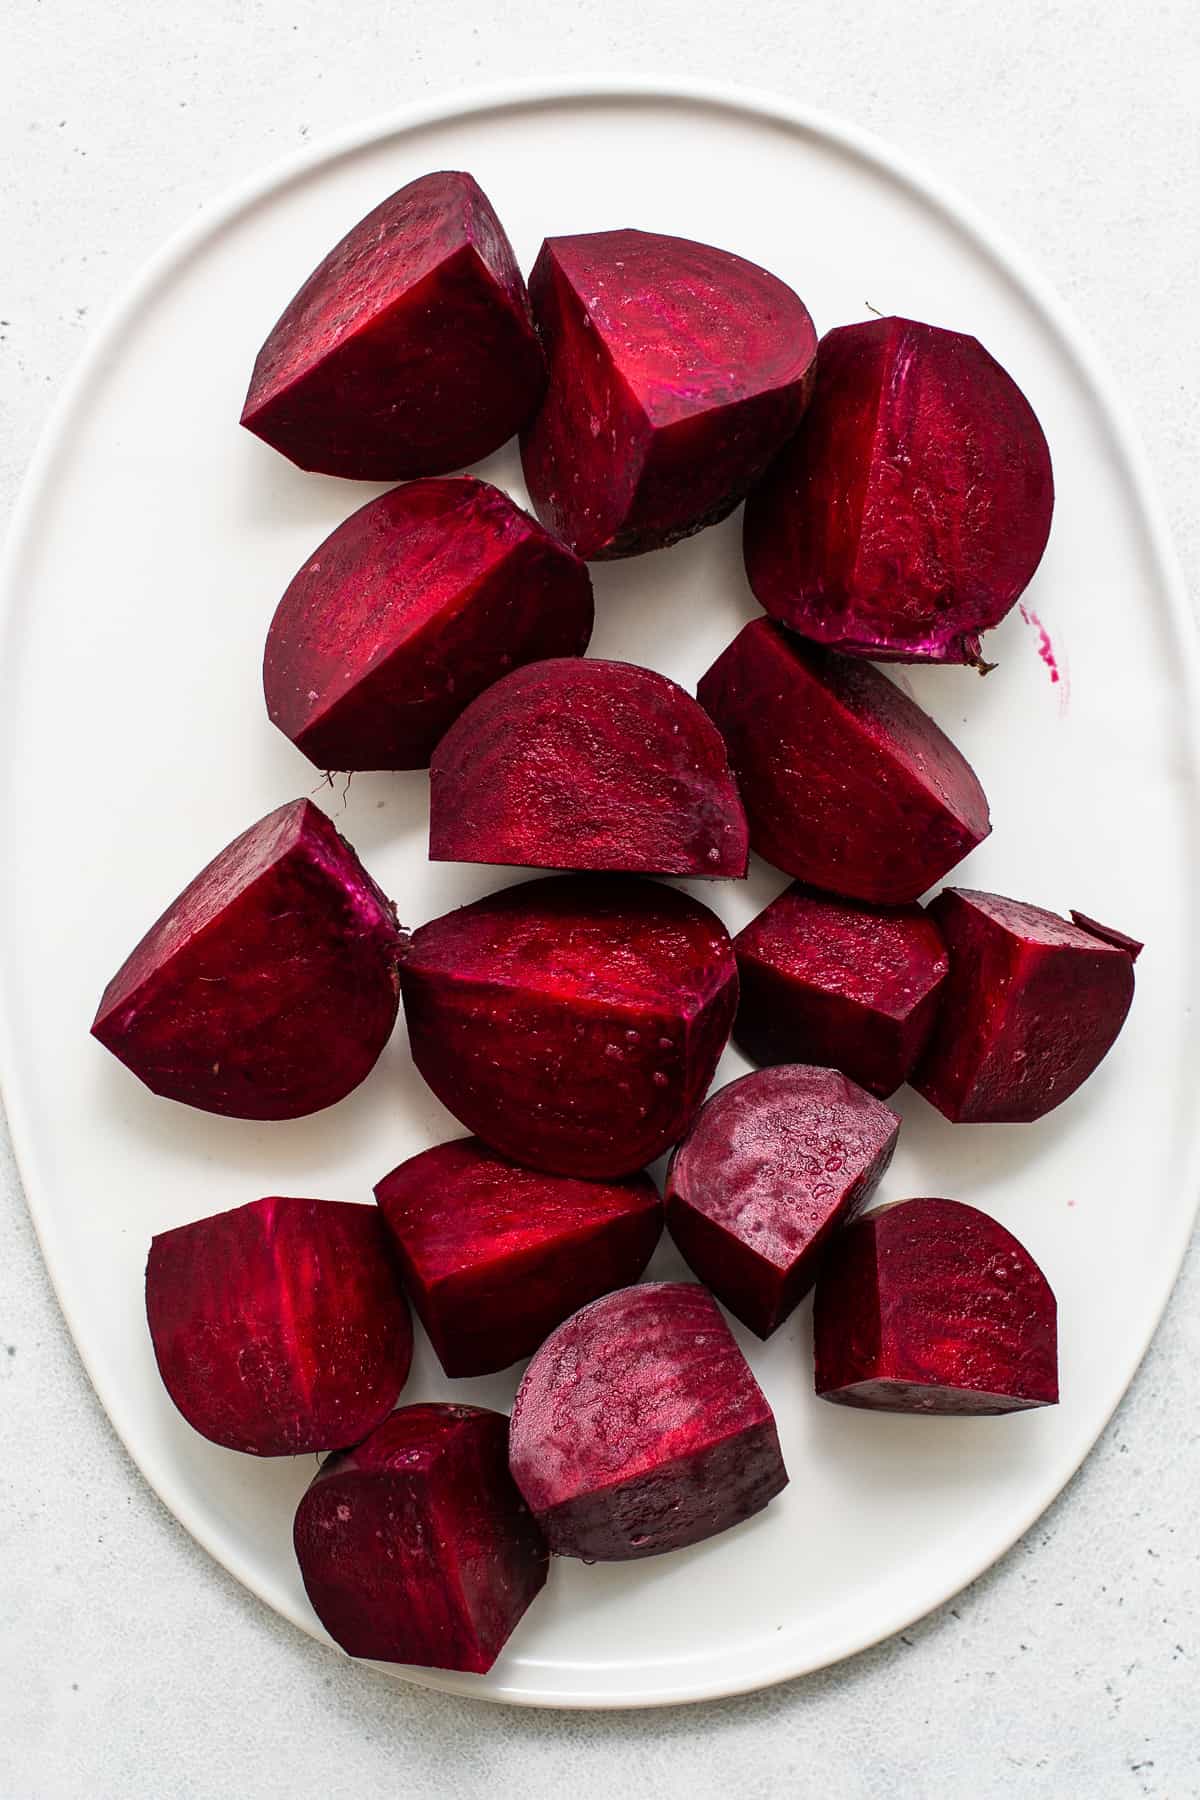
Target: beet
(416, 1547)
(573, 1024)
(268, 988)
(913, 505)
(676, 372)
(280, 1327)
(928, 1306)
(1030, 1007)
(587, 765)
(846, 782)
(495, 1256)
(639, 1428)
(410, 350)
(408, 611)
(1133, 947)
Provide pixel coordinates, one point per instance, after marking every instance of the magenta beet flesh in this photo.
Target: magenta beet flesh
(409, 610)
(676, 372)
(573, 1024)
(928, 1306)
(410, 350)
(416, 1547)
(912, 507)
(495, 1256)
(269, 987)
(280, 1327)
(846, 782)
(639, 1428)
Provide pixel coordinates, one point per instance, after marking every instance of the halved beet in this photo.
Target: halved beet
(913, 505)
(416, 1547)
(495, 1256)
(676, 372)
(280, 1327)
(269, 987)
(772, 1165)
(928, 1306)
(846, 782)
(573, 1024)
(410, 350)
(639, 1428)
(579, 764)
(838, 982)
(1030, 1007)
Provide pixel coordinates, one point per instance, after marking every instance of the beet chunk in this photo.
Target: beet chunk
(846, 782)
(495, 1256)
(639, 1428)
(573, 1024)
(1030, 1007)
(928, 1306)
(280, 1327)
(410, 350)
(416, 1547)
(676, 372)
(772, 1165)
(587, 765)
(268, 988)
(913, 505)
(407, 612)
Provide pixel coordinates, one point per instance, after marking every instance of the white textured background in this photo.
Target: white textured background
(131, 1667)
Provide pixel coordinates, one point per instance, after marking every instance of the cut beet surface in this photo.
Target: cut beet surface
(639, 1428)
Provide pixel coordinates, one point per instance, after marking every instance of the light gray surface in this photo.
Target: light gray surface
(130, 1665)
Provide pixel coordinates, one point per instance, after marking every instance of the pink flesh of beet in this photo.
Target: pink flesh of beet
(416, 1547)
(846, 782)
(928, 1306)
(676, 372)
(913, 505)
(410, 350)
(639, 1428)
(268, 988)
(495, 1256)
(579, 764)
(280, 1327)
(409, 610)
(772, 1165)
(573, 1024)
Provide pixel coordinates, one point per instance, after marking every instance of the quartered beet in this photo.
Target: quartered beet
(409, 610)
(928, 1306)
(416, 1547)
(846, 782)
(1031, 1005)
(410, 350)
(577, 764)
(912, 507)
(676, 372)
(269, 987)
(573, 1024)
(495, 1256)
(280, 1327)
(771, 1167)
(639, 1428)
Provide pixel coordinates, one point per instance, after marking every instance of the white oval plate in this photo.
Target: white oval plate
(153, 541)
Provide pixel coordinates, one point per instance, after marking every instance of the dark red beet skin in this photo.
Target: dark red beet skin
(846, 782)
(913, 505)
(416, 1547)
(280, 1327)
(579, 764)
(928, 1306)
(410, 609)
(495, 1256)
(639, 1428)
(410, 350)
(676, 372)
